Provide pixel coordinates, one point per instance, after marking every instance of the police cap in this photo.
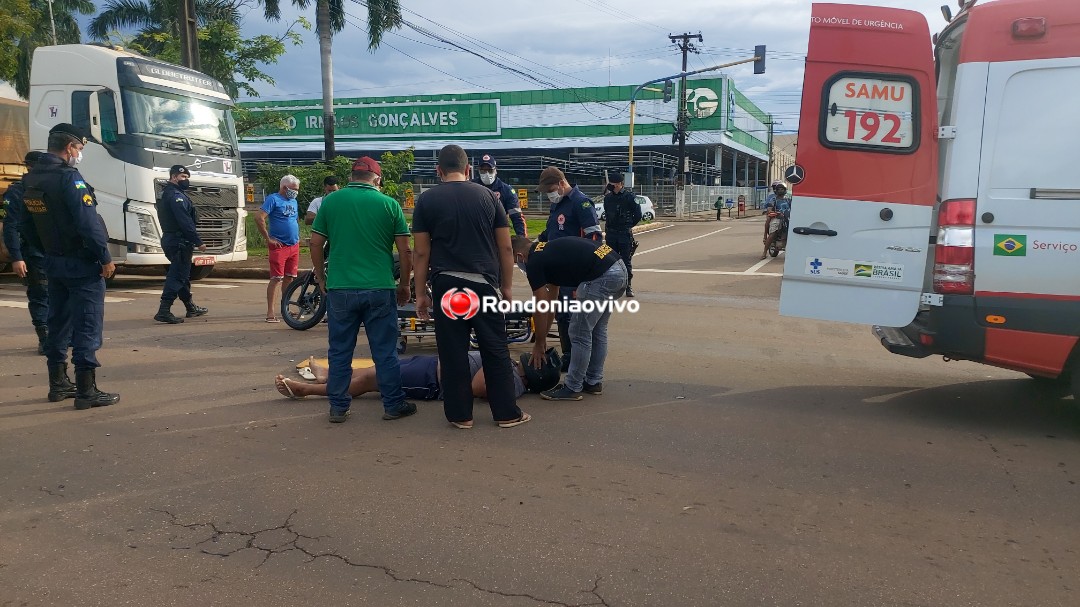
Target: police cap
(72, 130)
(179, 169)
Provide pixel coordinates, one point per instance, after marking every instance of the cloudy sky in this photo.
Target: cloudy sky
(559, 42)
(575, 43)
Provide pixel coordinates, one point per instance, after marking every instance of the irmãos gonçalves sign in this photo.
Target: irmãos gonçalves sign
(390, 120)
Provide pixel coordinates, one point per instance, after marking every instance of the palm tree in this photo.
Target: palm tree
(383, 15)
(154, 17)
(67, 32)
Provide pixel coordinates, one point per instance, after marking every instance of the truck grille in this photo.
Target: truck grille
(218, 215)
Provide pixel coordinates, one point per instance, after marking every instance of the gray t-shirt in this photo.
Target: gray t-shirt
(475, 365)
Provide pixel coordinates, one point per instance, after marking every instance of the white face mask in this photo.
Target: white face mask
(554, 196)
(487, 178)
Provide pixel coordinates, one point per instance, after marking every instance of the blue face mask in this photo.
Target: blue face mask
(291, 194)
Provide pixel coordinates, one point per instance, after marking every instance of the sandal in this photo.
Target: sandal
(281, 382)
(510, 423)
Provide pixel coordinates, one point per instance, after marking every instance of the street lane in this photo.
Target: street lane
(736, 458)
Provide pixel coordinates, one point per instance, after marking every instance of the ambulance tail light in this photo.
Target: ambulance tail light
(954, 255)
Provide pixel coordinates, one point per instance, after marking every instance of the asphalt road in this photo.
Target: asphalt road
(735, 458)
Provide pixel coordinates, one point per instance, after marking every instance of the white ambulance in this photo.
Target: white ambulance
(938, 184)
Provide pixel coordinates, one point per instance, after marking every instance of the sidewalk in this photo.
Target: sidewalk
(259, 268)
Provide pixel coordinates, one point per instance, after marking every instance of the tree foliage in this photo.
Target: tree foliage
(394, 166)
(235, 61)
(21, 47)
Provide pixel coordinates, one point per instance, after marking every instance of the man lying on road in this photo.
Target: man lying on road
(421, 375)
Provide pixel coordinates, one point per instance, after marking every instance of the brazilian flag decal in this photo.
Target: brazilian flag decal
(1010, 245)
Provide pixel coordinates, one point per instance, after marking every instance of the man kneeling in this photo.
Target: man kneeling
(421, 377)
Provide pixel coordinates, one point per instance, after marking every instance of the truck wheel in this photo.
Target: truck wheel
(200, 272)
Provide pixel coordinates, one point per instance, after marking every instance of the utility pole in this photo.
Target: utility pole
(189, 35)
(682, 122)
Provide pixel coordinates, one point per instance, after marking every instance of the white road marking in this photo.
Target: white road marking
(7, 303)
(706, 272)
(682, 241)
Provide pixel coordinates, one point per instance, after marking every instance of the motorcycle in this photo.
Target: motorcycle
(303, 303)
(776, 230)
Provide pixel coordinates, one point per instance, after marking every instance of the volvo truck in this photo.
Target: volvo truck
(145, 116)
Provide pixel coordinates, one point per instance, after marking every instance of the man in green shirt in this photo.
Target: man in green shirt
(363, 225)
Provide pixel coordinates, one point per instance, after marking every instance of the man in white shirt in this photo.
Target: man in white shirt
(329, 184)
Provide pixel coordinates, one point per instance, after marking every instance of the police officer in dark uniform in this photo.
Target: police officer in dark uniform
(63, 209)
(27, 256)
(179, 239)
(572, 214)
(622, 212)
(503, 193)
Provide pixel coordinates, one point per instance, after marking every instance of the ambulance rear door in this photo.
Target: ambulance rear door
(866, 172)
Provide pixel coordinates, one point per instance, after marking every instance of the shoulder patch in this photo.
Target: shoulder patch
(80, 185)
(88, 200)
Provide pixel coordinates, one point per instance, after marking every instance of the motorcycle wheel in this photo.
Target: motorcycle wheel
(303, 304)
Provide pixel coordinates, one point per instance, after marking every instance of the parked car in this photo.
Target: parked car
(648, 213)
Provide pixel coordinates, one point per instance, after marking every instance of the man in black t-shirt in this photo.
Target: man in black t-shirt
(599, 275)
(462, 238)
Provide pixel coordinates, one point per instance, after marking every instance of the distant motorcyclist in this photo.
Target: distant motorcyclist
(777, 201)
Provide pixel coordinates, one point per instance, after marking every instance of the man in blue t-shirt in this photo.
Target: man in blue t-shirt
(278, 222)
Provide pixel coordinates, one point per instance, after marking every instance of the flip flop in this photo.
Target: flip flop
(510, 423)
(285, 382)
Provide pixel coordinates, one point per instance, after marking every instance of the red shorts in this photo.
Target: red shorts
(284, 260)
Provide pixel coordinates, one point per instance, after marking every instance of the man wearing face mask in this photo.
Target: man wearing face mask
(282, 237)
(63, 209)
(177, 215)
(503, 193)
(572, 214)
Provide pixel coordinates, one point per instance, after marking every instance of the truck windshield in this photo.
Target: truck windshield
(156, 113)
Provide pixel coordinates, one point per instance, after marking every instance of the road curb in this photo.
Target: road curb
(224, 271)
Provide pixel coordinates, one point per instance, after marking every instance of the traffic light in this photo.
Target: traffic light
(669, 90)
(759, 61)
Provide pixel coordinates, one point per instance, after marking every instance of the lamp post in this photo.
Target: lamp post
(52, 23)
(682, 100)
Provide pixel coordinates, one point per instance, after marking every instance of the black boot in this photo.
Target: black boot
(194, 310)
(60, 387)
(42, 335)
(164, 314)
(88, 394)
(564, 339)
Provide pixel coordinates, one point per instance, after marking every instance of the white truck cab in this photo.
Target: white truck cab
(938, 199)
(145, 116)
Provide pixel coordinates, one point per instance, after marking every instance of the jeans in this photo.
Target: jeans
(588, 330)
(76, 316)
(376, 309)
(452, 340)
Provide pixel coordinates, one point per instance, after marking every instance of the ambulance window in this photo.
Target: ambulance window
(871, 112)
(80, 109)
(948, 60)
